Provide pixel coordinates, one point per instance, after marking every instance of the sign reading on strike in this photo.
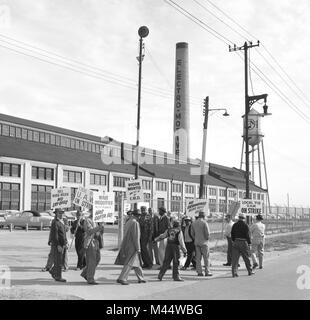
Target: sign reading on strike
(61, 198)
(251, 206)
(83, 198)
(103, 203)
(194, 206)
(134, 191)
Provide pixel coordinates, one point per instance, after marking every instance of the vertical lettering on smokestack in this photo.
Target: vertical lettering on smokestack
(181, 104)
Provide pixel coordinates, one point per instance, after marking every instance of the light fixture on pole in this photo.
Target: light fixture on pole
(143, 32)
(206, 111)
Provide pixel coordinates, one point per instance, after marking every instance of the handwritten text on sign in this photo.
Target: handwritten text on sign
(83, 198)
(251, 206)
(194, 206)
(102, 204)
(60, 198)
(134, 191)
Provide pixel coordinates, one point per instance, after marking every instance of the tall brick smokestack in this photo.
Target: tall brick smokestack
(181, 146)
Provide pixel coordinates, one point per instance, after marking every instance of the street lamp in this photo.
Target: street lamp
(250, 100)
(143, 33)
(206, 111)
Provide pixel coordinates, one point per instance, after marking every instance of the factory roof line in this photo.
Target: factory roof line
(34, 151)
(22, 149)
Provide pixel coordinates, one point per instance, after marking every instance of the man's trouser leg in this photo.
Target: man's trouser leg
(245, 253)
(260, 250)
(145, 253)
(138, 272)
(150, 251)
(175, 256)
(198, 260)
(155, 249)
(50, 259)
(167, 260)
(65, 258)
(206, 255)
(161, 251)
(253, 253)
(125, 273)
(229, 250)
(91, 263)
(190, 247)
(235, 258)
(56, 269)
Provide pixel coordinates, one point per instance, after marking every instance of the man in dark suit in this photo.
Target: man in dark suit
(59, 243)
(78, 231)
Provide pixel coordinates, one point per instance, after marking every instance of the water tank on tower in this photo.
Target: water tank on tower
(254, 128)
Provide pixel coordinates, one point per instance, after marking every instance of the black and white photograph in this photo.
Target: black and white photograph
(154, 154)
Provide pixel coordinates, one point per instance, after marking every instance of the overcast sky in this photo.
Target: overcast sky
(103, 33)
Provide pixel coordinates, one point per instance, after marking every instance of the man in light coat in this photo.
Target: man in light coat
(227, 234)
(92, 244)
(201, 234)
(258, 241)
(130, 251)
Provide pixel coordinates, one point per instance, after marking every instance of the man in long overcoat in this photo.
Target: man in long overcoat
(58, 241)
(129, 253)
(93, 242)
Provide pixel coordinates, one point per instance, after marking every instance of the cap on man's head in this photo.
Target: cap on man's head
(259, 217)
(175, 224)
(162, 209)
(136, 212)
(188, 219)
(241, 215)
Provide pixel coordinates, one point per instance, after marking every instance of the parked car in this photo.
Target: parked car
(111, 218)
(33, 218)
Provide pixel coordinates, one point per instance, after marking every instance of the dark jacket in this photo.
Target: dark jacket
(163, 224)
(240, 230)
(77, 228)
(189, 232)
(58, 235)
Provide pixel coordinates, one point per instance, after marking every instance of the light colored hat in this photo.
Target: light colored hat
(241, 215)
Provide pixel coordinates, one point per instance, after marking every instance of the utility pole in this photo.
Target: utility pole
(203, 158)
(249, 101)
(206, 109)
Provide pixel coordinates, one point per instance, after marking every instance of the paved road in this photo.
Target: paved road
(276, 281)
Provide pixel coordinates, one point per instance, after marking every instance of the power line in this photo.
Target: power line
(231, 19)
(268, 52)
(63, 61)
(87, 73)
(198, 22)
(221, 20)
(272, 86)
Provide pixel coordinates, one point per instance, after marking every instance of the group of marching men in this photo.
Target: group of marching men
(150, 239)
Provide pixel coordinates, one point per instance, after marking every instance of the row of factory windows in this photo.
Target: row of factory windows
(57, 140)
(34, 135)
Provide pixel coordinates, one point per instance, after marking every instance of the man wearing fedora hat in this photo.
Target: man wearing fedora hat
(258, 241)
(240, 235)
(163, 225)
(201, 234)
(227, 234)
(58, 241)
(130, 251)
